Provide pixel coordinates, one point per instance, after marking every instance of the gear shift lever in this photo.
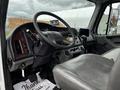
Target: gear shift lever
(84, 42)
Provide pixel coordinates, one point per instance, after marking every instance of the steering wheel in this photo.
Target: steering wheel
(50, 39)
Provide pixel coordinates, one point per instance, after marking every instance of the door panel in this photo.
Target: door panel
(114, 39)
(104, 44)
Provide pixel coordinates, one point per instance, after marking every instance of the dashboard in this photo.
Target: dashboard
(25, 47)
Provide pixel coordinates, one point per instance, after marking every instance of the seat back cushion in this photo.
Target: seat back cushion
(86, 72)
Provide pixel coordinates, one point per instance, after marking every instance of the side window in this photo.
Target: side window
(104, 20)
(110, 22)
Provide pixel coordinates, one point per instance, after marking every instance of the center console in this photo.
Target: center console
(78, 47)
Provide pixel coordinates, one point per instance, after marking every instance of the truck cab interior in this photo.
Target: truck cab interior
(77, 50)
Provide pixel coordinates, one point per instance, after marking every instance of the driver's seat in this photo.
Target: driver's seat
(88, 72)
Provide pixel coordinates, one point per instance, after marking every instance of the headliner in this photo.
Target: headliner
(103, 1)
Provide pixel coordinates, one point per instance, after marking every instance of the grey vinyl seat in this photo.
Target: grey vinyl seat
(88, 72)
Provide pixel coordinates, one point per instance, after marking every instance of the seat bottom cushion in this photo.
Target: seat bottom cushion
(86, 72)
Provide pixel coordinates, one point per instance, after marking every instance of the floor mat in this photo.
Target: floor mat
(36, 85)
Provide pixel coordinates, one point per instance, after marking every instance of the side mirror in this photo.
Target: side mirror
(112, 31)
(84, 31)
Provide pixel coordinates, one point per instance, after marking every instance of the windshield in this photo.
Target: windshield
(77, 13)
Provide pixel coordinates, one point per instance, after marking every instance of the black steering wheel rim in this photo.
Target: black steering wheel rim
(44, 37)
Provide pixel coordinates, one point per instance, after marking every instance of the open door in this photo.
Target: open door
(5, 83)
(2, 81)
